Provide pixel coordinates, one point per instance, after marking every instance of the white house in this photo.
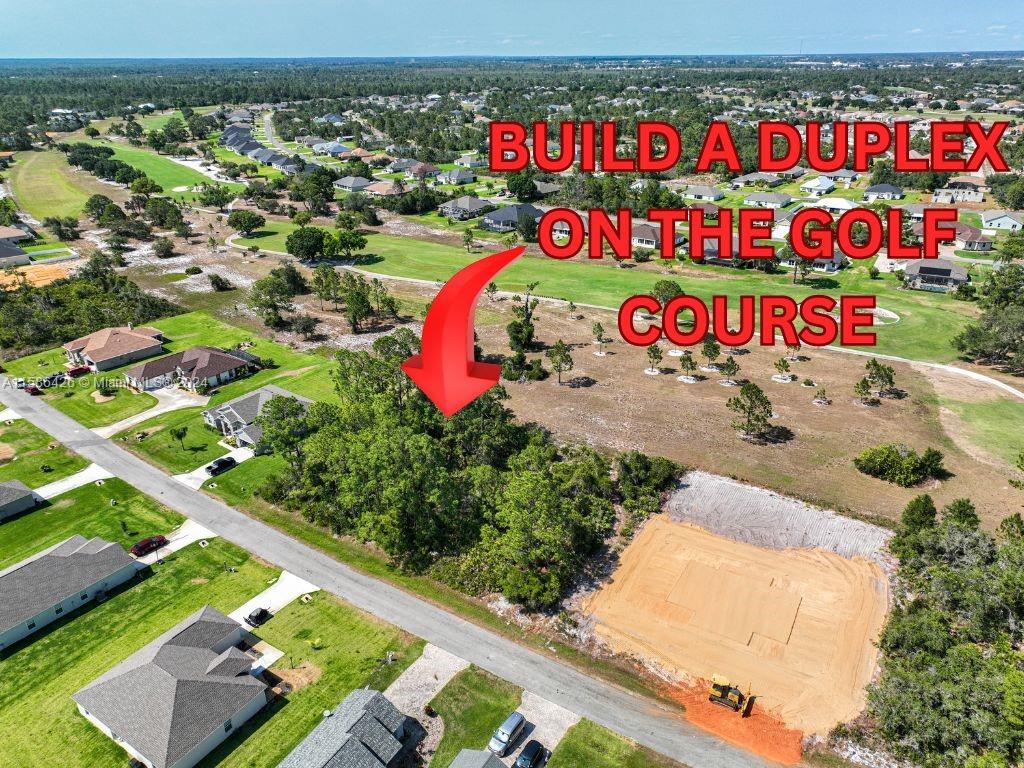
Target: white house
(703, 193)
(836, 205)
(883, 192)
(817, 186)
(1005, 220)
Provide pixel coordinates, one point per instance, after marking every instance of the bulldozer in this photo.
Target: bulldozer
(724, 694)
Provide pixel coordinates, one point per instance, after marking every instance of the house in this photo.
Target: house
(114, 347)
(752, 179)
(352, 184)
(934, 275)
(952, 194)
(456, 176)
(1005, 220)
(250, 145)
(818, 186)
(767, 200)
(332, 148)
(843, 176)
(475, 758)
(364, 731)
(422, 171)
(465, 207)
(825, 264)
(703, 193)
(237, 418)
(471, 161)
(646, 235)
(13, 235)
(400, 165)
(545, 188)
(15, 498)
(836, 205)
(196, 369)
(883, 192)
(971, 239)
(708, 210)
(39, 590)
(175, 700)
(12, 256)
(506, 219)
(793, 173)
(913, 211)
(390, 188)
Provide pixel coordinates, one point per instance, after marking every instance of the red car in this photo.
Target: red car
(32, 389)
(152, 544)
(81, 370)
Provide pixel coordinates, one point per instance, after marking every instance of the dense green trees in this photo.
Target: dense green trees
(997, 338)
(901, 465)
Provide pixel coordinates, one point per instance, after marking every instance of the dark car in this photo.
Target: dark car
(32, 389)
(152, 544)
(257, 617)
(53, 379)
(218, 466)
(81, 370)
(532, 756)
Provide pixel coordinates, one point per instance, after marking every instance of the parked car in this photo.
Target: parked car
(20, 383)
(32, 389)
(152, 544)
(503, 739)
(221, 465)
(257, 617)
(81, 370)
(533, 755)
(53, 379)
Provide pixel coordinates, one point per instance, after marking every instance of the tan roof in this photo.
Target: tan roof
(12, 233)
(386, 188)
(113, 342)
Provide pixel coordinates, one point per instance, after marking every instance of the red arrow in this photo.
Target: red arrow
(446, 370)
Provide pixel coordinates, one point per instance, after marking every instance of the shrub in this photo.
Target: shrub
(193, 270)
(900, 465)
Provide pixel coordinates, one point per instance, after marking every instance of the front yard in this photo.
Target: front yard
(199, 446)
(472, 705)
(32, 456)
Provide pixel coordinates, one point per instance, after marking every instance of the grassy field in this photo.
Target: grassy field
(26, 455)
(115, 511)
(341, 648)
(472, 705)
(45, 185)
(199, 446)
(993, 425)
(164, 171)
(588, 745)
(927, 321)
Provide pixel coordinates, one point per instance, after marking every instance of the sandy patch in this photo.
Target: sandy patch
(298, 678)
(36, 275)
(6, 452)
(795, 627)
(99, 397)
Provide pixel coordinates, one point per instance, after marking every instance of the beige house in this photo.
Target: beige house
(114, 347)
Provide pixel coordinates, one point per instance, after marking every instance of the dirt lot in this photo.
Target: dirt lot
(610, 402)
(795, 627)
(37, 275)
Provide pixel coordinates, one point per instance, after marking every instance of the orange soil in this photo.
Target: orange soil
(37, 275)
(759, 733)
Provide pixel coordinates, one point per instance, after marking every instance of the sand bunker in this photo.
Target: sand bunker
(795, 627)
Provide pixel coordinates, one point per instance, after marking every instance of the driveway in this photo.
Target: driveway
(90, 474)
(286, 588)
(168, 399)
(545, 722)
(187, 533)
(639, 718)
(9, 414)
(198, 476)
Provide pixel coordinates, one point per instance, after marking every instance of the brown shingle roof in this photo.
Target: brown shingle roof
(113, 342)
(195, 363)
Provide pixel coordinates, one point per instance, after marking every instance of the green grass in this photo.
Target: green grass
(225, 155)
(39, 724)
(45, 185)
(200, 446)
(993, 425)
(32, 452)
(927, 325)
(92, 510)
(347, 647)
(472, 705)
(588, 745)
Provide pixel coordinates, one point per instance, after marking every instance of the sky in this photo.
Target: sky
(317, 28)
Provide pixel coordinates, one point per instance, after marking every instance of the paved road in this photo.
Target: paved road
(640, 719)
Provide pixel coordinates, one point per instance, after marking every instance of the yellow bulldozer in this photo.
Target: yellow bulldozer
(724, 694)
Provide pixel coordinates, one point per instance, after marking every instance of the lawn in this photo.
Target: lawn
(993, 425)
(39, 724)
(927, 324)
(588, 745)
(472, 705)
(45, 185)
(32, 456)
(114, 511)
(199, 446)
(338, 644)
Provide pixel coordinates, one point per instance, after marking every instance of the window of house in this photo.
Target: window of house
(59, 610)
(228, 726)
(31, 625)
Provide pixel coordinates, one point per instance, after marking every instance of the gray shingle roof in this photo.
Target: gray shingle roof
(32, 586)
(12, 491)
(471, 758)
(172, 694)
(360, 733)
(245, 408)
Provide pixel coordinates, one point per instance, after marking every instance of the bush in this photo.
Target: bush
(219, 283)
(900, 465)
(163, 248)
(193, 270)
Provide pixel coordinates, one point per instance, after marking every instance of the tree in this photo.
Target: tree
(654, 357)
(961, 512)
(269, 297)
(598, 330)
(219, 283)
(302, 219)
(571, 306)
(307, 243)
(178, 433)
(304, 325)
(666, 290)
(919, 514)
(782, 366)
(246, 222)
(729, 368)
(491, 290)
(467, 239)
(64, 228)
(521, 185)
(754, 408)
(349, 241)
(215, 195)
(561, 359)
(145, 186)
(326, 283)
(711, 349)
(285, 426)
(687, 365)
(91, 132)
(163, 248)
(881, 376)
(862, 389)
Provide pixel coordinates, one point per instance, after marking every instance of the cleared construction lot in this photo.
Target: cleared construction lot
(794, 626)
